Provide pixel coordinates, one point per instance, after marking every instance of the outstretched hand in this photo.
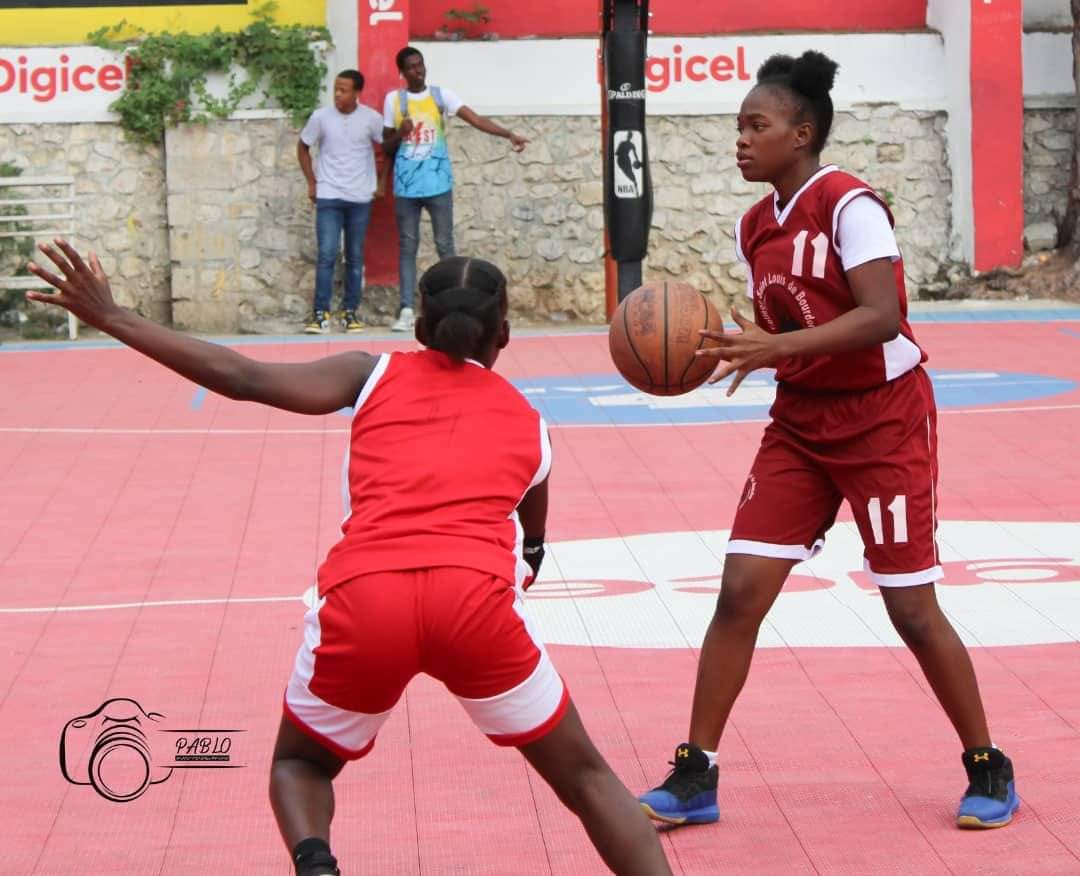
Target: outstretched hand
(742, 352)
(517, 142)
(83, 289)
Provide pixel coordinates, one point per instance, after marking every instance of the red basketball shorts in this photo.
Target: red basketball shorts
(368, 637)
(877, 449)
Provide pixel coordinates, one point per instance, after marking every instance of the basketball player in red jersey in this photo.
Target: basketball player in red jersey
(447, 472)
(854, 419)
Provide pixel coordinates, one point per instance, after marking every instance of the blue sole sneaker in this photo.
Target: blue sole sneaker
(688, 794)
(990, 800)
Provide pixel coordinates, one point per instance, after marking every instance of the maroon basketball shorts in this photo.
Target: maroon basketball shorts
(877, 449)
(368, 637)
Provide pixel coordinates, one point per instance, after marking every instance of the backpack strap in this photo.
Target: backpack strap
(403, 102)
(436, 93)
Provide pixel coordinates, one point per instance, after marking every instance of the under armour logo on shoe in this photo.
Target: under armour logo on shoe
(683, 752)
(979, 757)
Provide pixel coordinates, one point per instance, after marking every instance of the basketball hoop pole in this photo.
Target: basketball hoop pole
(624, 26)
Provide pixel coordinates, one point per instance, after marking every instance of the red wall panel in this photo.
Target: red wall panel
(514, 18)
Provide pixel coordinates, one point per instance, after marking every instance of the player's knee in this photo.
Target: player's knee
(584, 786)
(741, 599)
(915, 624)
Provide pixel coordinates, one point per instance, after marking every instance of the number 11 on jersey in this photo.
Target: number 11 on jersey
(820, 245)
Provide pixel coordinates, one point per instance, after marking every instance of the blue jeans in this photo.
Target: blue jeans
(407, 211)
(332, 215)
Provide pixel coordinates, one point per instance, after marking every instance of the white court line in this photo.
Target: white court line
(47, 609)
(48, 430)
(84, 431)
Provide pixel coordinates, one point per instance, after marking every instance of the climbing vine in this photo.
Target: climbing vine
(167, 72)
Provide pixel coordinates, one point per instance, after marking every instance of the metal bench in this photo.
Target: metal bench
(50, 203)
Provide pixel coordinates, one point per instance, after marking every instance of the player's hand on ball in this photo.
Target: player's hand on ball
(742, 352)
(83, 289)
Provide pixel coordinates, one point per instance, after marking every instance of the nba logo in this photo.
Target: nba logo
(626, 147)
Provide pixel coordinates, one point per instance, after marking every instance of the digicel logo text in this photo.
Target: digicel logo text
(661, 70)
(46, 82)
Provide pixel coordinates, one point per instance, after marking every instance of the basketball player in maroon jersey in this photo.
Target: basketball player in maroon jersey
(448, 470)
(854, 419)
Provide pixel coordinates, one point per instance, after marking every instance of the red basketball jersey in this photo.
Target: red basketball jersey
(441, 454)
(798, 282)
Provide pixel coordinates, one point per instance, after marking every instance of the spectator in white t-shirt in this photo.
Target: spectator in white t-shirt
(341, 185)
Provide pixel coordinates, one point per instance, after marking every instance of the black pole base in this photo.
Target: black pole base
(629, 278)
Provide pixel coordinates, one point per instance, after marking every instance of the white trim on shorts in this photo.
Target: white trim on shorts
(904, 579)
(523, 708)
(774, 551)
(518, 713)
(350, 734)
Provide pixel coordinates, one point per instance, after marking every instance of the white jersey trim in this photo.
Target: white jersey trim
(544, 469)
(373, 379)
(365, 393)
(781, 217)
(901, 355)
(861, 231)
(522, 570)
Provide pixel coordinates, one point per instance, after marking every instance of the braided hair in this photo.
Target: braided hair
(463, 306)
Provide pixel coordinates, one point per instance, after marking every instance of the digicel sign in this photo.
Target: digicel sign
(44, 83)
(685, 75)
(662, 70)
(74, 84)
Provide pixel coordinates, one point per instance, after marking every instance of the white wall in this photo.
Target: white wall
(1047, 14)
(341, 22)
(953, 19)
(1048, 70)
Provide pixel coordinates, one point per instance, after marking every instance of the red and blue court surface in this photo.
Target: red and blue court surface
(157, 543)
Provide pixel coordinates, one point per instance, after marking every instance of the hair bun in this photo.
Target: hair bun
(776, 67)
(813, 74)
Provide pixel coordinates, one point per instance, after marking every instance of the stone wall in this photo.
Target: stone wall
(1048, 153)
(120, 210)
(539, 214)
(217, 233)
(241, 233)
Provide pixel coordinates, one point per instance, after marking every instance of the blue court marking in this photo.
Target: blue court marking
(200, 396)
(605, 399)
(1071, 332)
(1065, 313)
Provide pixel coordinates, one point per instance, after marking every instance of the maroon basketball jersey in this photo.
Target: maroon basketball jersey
(799, 282)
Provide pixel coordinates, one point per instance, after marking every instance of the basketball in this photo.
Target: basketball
(654, 334)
